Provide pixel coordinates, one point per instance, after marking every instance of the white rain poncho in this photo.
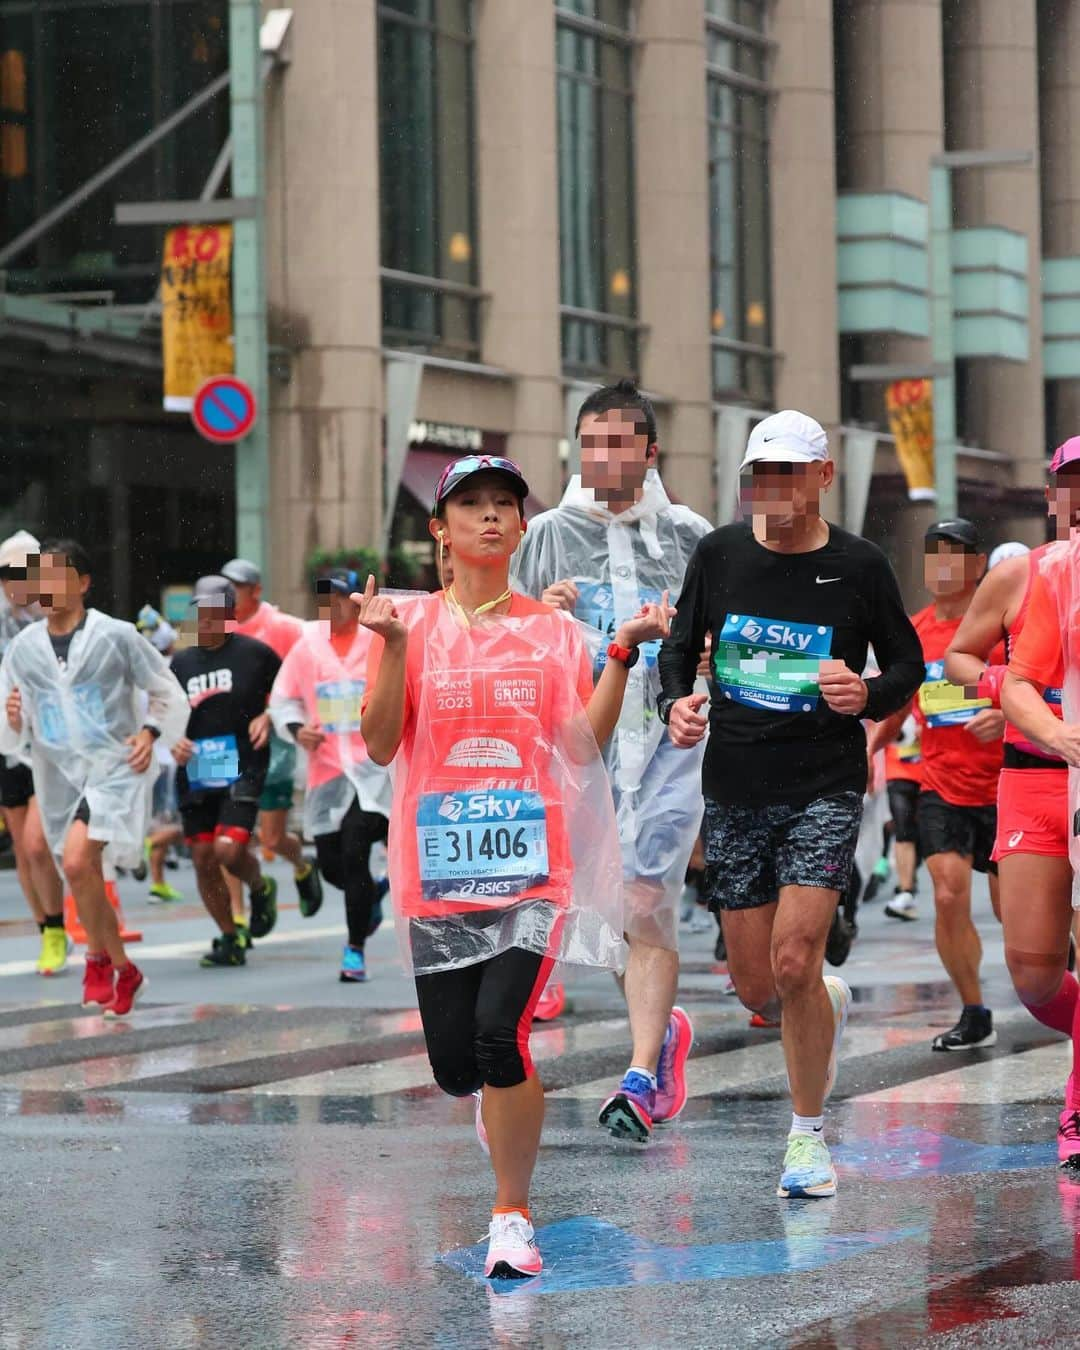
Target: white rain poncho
(502, 832)
(315, 685)
(620, 562)
(77, 720)
(12, 621)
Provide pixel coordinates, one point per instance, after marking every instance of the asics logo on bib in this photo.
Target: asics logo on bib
(480, 807)
(483, 752)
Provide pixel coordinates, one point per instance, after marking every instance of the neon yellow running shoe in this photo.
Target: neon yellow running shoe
(808, 1170)
(56, 947)
(159, 894)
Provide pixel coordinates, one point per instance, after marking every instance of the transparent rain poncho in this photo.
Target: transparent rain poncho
(317, 686)
(618, 563)
(1060, 570)
(12, 621)
(502, 832)
(76, 722)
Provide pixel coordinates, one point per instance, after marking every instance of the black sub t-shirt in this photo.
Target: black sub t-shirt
(226, 688)
(772, 618)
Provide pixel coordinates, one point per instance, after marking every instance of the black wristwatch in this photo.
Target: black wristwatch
(154, 731)
(663, 709)
(628, 656)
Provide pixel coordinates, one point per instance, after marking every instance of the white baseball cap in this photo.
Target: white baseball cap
(787, 437)
(15, 550)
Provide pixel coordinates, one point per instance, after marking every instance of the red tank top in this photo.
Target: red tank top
(1052, 692)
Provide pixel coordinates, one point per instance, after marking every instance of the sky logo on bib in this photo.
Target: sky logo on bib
(450, 808)
(771, 664)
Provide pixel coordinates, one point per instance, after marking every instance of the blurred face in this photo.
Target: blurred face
(55, 583)
(615, 453)
(1063, 500)
(248, 600)
(16, 584)
(215, 620)
(482, 521)
(949, 569)
(337, 610)
(786, 494)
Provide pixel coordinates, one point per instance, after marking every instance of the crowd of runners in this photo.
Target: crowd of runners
(605, 713)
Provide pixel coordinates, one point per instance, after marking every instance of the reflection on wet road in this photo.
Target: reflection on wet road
(222, 1175)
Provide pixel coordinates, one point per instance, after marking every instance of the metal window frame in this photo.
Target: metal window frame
(389, 14)
(596, 27)
(398, 337)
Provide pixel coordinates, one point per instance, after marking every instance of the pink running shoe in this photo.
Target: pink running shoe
(671, 1070)
(551, 1004)
(512, 1250)
(1068, 1140)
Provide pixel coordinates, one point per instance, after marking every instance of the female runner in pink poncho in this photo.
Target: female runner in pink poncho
(504, 854)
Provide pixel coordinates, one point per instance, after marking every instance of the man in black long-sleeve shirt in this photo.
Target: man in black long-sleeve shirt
(791, 605)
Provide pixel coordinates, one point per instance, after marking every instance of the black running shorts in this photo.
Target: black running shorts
(16, 785)
(753, 851)
(904, 809)
(967, 830)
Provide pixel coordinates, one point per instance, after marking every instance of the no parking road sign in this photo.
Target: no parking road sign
(224, 409)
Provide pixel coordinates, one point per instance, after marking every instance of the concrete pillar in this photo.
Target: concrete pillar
(324, 295)
(517, 155)
(992, 103)
(1059, 136)
(671, 171)
(894, 122)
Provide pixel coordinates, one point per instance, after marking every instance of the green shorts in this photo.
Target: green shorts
(277, 796)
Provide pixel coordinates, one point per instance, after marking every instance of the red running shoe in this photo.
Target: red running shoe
(130, 986)
(98, 980)
(552, 1003)
(756, 1020)
(671, 1069)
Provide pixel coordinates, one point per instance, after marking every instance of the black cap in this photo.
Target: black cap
(341, 580)
(957, 531)
(214, 592)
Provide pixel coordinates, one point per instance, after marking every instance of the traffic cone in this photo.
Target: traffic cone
(77, 932)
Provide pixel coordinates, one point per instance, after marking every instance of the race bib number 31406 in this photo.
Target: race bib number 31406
(484, 845)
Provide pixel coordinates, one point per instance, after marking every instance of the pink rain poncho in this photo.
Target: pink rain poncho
(316, 685)
(502, 832)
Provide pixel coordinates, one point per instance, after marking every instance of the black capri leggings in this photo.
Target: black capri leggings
(344, 861)
(477, 1020)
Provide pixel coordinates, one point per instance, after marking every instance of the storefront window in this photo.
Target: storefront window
(428, 225)
(80, 82)
(596, 186)
(739, 200)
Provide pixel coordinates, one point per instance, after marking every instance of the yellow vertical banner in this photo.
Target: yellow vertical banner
(910, 405)
(196, 310)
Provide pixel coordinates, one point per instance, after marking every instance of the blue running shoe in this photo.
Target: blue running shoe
(808, 1170)
(628, 1113)
(353, 970)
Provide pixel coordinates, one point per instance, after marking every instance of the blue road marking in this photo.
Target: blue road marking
(906, 1152)
(586, 1253)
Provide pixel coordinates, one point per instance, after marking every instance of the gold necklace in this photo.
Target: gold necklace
(485, 608)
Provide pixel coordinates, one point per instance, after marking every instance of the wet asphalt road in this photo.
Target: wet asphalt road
(259, 1159)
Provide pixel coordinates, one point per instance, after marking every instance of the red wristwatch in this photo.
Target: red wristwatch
(627, 655)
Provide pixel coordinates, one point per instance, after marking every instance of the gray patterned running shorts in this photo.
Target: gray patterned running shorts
(752, 851)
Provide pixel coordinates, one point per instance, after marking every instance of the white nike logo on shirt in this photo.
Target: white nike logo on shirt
(824, 581)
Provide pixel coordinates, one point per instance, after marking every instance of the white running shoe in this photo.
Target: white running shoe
(512, 1250)
(902, 906)
(808, 1171)
(840, 998)
(481, 1131)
